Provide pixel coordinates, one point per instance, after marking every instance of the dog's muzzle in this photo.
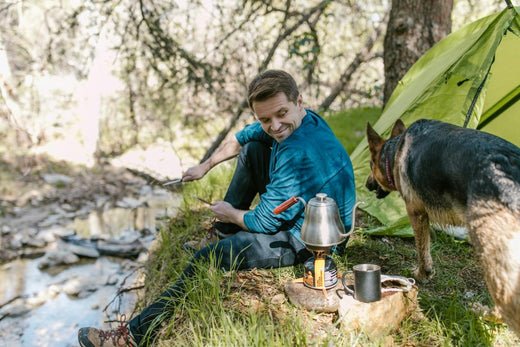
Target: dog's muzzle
(372, 185)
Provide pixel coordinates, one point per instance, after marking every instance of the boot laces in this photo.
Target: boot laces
(119, 334)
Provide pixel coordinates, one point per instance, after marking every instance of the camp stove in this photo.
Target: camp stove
(320, 272)
(322, 229)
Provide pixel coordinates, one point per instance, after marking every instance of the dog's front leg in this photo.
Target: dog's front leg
(421, 227)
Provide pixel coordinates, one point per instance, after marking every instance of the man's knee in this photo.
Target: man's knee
(228, 253)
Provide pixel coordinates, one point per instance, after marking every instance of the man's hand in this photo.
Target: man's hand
(196, 172)
(226, 213)
(228, 150)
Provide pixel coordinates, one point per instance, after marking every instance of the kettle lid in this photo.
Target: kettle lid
(321, 199)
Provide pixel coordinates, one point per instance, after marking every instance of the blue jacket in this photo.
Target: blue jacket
(310, 161)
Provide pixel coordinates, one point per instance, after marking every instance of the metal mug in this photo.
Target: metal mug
(367, 283)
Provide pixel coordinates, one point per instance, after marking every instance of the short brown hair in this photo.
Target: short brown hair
(269, 83)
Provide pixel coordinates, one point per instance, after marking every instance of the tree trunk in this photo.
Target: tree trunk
(413, 28)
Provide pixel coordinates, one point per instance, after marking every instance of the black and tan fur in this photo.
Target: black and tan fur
(456, 176)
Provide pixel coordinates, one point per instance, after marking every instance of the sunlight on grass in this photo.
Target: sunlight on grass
(349, 126)
(236, 308)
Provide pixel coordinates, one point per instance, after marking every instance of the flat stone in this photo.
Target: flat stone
(49, 221)
(31, 254)
(85, 250)
(57, 257)
(57, 179)
(60, 231)
(80, 287)
(5, 229)
(378, 318)
(34, 242)
(310, 299)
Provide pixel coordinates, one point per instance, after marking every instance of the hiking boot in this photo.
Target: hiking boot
(118, 337)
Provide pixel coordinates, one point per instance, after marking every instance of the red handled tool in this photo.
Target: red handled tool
(285, 205)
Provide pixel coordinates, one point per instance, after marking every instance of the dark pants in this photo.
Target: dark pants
(243, 250)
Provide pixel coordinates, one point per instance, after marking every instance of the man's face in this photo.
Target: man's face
(278, 116)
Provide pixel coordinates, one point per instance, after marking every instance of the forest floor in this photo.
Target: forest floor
(251, 307)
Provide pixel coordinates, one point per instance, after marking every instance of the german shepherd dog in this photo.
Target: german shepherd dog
(460, 177)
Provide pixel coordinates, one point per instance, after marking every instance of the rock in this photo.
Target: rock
(68, 207)
(57, 179)
(313, 299)
(7, 255)
(33, 197)
(16, 310)
(5, 229)
(143, 257)
(72, 287)
(278, 299)
(33, 242)
(80, 287)
(114, 248)
(125, 250)
(37, 300)
(378, 318)
(83, 250)
(112, 280)
(145, 190)
(47, 235)
(31, 254)
(16, 242)
(101, 201)
(60, 231)
(50, 220)
(54, 290)
(55, 258)
(129, 202)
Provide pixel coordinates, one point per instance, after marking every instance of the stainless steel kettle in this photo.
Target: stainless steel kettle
(322, 226)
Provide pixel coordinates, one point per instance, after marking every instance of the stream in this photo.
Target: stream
(71, 263)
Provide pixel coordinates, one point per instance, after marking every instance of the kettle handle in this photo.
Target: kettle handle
(287, 203)
(353, 224)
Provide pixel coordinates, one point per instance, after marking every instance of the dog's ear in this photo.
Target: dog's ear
(398, 128)
(374, 140)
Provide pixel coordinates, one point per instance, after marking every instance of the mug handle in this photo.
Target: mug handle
(344, 282)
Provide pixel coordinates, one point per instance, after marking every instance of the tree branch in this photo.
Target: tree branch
(362, 56)
(244, 104)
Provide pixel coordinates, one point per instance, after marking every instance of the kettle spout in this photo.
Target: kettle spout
(353, 220)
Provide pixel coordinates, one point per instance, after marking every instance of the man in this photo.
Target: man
(289, 151)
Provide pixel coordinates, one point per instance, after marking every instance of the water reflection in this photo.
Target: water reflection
(54, 317)
(112, 222)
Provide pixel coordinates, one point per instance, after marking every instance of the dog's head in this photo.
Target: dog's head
(378, 179)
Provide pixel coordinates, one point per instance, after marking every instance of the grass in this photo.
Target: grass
(248, 308)
(349, 126)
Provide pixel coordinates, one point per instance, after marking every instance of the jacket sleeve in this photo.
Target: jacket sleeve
(253, 132)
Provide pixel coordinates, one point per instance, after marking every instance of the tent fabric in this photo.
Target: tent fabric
(470, 78)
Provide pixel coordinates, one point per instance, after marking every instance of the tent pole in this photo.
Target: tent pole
(509, 4)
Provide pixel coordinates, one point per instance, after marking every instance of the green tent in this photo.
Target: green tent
(470, 78)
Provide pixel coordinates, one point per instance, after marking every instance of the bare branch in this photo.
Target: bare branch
(244, 104)
(362, 56)
(7, 6)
